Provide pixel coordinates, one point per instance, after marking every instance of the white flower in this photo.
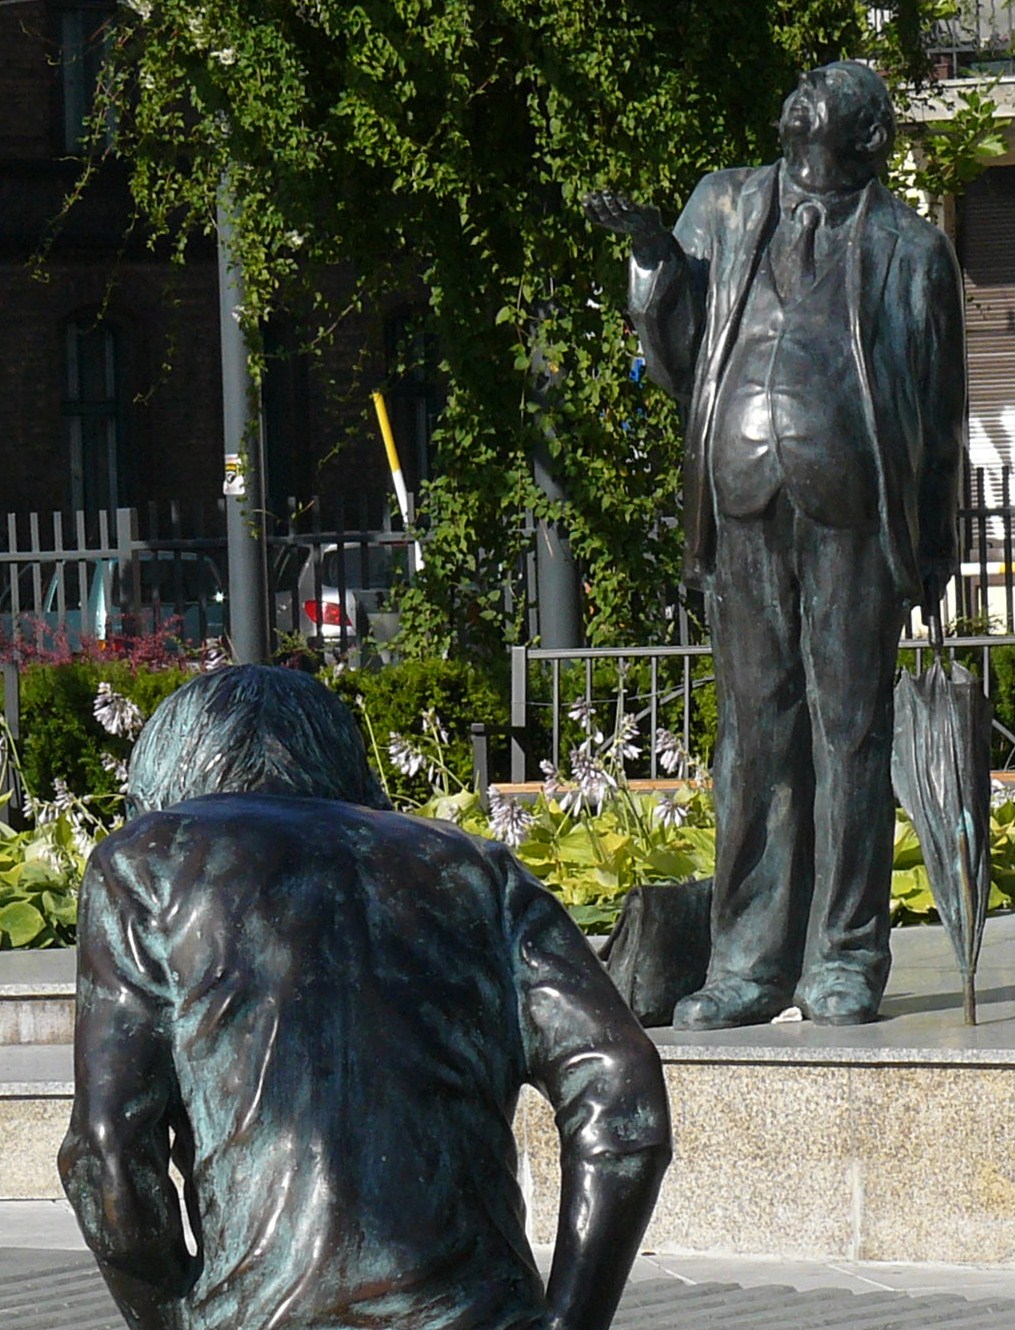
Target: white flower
(227, 56)
(215, 655)
(63, 797)
(117, 769)
(142, 8)
(669, 813)
(115, 713)
(673, 756)
(44, 853)
(404, 757)
(509, 820)
(1000, 793)
(592, 783)
(82, 841)
(42, 811)
(197, 25)
(295, 240)
(551, 778)
(584, 712)
(622, 746)
(433, 723)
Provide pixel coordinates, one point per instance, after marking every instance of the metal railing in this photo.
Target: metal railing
(657, 686)
(977, 39)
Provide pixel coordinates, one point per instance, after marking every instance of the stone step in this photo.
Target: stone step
(71, 1296)
(37, 997)
(884, 1142)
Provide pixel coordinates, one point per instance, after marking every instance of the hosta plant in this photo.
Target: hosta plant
(590, 837)
(587, 834)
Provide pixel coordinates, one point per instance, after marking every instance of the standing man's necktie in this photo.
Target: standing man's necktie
(794, 258)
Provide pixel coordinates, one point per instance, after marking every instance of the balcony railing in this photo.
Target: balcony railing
(979, 40)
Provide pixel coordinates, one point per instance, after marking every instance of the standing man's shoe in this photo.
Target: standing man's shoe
(727, 1003)
(840, 1003)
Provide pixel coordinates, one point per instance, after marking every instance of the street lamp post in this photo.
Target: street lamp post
(243, 486)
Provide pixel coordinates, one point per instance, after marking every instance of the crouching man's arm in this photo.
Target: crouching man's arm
(114, 1161)
(601, 1072)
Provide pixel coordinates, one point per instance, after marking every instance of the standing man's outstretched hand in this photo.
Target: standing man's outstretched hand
(651, 243)
(619, 213)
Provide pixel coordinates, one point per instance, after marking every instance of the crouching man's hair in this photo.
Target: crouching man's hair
(251, 727)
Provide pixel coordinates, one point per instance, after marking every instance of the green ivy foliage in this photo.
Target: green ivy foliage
(452, 141)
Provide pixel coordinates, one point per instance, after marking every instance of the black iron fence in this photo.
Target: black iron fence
(984, 590)
(331, 583)
(976, 39)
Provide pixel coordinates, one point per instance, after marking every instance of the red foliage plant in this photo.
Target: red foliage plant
(36, 642)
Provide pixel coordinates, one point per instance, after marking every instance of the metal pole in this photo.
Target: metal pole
(243, 437)
(558, 581)
(558, 584)
(11, 812)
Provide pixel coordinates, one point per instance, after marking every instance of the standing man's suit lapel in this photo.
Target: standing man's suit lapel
(756, 206)
(739, 261)
(868, 260)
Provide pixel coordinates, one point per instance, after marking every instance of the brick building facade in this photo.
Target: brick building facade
(109, 354)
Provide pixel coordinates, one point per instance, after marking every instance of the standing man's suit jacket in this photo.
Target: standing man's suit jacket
(905, 302)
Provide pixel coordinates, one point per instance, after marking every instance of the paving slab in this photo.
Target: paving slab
(41, 1292)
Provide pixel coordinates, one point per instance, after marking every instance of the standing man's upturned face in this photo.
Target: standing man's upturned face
(829, 109)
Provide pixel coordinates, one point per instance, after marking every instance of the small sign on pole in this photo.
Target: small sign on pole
(233, 484)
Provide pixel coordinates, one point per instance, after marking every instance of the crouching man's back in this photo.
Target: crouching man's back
(330, 1010)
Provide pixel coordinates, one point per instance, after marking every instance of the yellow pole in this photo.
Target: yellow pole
(395, 467)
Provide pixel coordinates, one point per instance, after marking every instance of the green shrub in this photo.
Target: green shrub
(60, 736)
(394, 700)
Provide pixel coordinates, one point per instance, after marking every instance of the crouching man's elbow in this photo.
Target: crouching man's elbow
(127, 1213)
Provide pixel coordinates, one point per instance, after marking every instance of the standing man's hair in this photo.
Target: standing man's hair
(876, 120)
(251, 727)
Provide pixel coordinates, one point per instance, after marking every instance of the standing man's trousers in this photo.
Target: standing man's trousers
(805, 629)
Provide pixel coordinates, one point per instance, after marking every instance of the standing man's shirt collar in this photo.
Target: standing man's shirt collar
(835, 208)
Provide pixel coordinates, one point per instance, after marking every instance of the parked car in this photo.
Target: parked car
(180, 590)
(311, 601)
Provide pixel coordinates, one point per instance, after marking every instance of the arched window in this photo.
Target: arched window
(93, 416)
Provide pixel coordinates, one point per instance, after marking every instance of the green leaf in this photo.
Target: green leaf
(597, 918)
(667, 865)
(911, 887)
(21, 922)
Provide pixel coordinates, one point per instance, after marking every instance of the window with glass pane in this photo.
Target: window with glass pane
(92, 417)
(84, 40)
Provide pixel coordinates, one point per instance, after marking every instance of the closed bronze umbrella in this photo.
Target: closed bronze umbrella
(941, 774)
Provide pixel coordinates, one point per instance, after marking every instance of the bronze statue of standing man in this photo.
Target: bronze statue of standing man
(811, 324)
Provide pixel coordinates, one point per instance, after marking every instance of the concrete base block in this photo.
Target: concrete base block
(860, 1163)
(36, 1020)
(31, 1131)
